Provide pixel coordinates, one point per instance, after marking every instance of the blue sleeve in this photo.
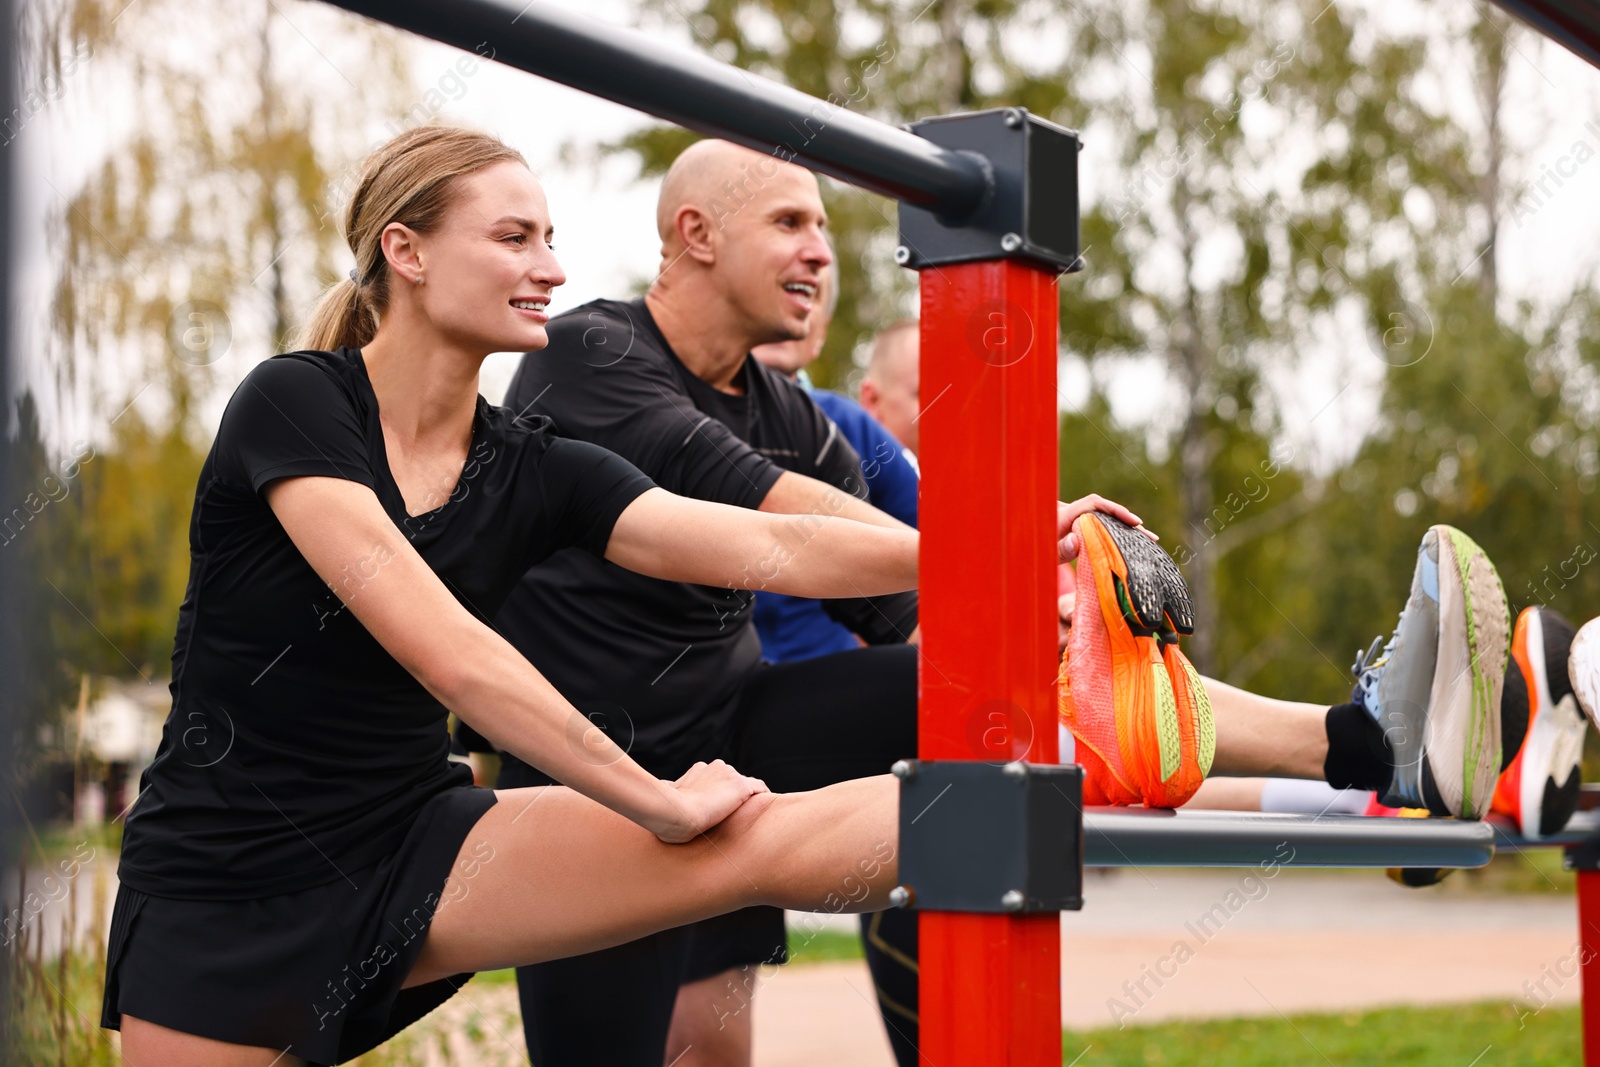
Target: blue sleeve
(891, 479)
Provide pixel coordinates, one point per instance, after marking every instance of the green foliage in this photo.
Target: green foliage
(50, 679)
(137, 501)
(1486, 412)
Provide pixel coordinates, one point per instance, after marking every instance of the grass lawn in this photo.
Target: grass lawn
(1471, 1035)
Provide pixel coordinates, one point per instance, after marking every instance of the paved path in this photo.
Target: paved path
(1302, 941)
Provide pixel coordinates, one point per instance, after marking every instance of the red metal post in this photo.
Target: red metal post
(991, 984)
(1589, 957)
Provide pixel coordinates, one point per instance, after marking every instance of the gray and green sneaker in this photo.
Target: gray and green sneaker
(1435, 687)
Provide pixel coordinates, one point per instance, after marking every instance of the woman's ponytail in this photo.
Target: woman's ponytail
(341, 317)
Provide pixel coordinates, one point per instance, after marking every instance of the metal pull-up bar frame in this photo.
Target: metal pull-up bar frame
(631, 68)
(1137, 837)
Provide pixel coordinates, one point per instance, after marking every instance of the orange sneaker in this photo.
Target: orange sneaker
(1134, 704)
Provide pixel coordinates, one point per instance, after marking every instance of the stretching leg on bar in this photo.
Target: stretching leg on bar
(1422, 729)
(1543, 722)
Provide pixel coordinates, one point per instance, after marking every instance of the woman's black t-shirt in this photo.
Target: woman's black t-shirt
(297, 749)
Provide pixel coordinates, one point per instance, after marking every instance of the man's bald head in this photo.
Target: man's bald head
(743, 245)
(718, 178)
(891, 387)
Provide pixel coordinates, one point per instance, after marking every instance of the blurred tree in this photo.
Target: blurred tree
(208, 216)
(1224, 255)
(39, 560)
(136, 503)
(1487, 419)
(212, 218)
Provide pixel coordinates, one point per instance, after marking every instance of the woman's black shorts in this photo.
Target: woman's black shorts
(317, 972)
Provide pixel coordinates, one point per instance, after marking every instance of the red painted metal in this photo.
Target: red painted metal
(1589, 957)
(991, 984)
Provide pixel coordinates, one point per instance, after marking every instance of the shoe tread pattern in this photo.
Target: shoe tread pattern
(1156, 589)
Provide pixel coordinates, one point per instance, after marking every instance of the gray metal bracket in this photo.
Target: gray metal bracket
(986, 837)
(1031, 210)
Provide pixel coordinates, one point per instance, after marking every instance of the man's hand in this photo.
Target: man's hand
(1067, 514)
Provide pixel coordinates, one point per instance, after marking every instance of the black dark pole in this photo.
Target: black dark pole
(9, 600)
(694, 91)
(1139, 837)
(1574, 24)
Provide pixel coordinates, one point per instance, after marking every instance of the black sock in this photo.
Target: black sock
(1359, 756)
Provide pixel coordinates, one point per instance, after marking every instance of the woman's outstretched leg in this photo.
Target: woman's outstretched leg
(145, 1042)
(567, 876)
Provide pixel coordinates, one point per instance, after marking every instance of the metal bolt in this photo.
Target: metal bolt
(1016, 769)
(901, 896)
(1013, 117)
(902, 255)
(1013, 900)
(1010, 242)
(904, 769)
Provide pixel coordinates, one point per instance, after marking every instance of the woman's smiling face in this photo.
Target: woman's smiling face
(489, 268)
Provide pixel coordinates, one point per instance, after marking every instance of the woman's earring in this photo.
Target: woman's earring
(418, 279)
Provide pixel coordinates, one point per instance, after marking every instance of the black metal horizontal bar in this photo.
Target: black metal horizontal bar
(1572, 23)
(1137, 837)
(631, 68)
(1582, 828)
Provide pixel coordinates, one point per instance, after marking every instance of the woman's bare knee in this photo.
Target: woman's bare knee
(831, 849)
(146, 1042)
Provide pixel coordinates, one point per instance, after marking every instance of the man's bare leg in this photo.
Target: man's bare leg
(1228, 794)
(1261, 737)
(711, 1022)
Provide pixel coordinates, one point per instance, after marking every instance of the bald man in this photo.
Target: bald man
(890, 389)
(674, 672)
